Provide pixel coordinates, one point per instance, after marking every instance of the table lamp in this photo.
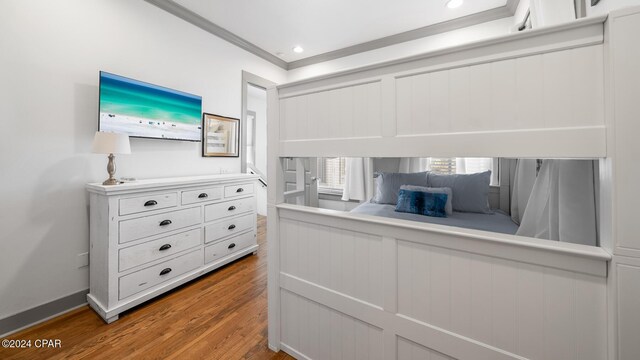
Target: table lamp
(111, 143)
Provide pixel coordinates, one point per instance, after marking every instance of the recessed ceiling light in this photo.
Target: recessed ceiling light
(452, 4)
(298, 49)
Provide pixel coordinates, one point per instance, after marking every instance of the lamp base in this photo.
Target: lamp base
(111, 181)
(111, 169)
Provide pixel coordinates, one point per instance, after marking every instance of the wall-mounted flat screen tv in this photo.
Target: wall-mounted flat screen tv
(141, 109)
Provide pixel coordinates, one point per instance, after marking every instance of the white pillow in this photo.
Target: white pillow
(448, 208)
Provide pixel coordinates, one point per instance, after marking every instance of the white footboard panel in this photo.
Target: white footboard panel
(359, 287)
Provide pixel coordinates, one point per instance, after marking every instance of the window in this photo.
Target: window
(464, 166)
(331, 173)
(442, 165)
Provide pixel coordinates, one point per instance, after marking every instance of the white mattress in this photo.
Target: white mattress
(497, 222)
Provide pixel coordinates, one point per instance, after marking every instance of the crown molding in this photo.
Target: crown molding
(419, 33)
(455, 24)
(206, 25)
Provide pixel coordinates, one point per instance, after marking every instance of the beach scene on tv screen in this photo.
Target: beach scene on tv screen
(140, 109)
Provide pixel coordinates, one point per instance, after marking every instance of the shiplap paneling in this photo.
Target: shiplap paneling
(523, 93)
(346, 261)
(501, 99)
(627, 303)
(345, 112)
(533, 311)
(623, 27)
(408, 350)
(509, 308)
(485, 100)
(319, 332)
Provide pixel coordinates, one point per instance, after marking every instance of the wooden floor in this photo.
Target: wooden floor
(222, 315)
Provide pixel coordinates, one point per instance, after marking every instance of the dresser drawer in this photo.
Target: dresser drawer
(232, 191)
(149, 202)
(228, 208)
(143, 253)
(226, 247)
(138, 281)
(157, 224)
(201, 195)
(228, 227)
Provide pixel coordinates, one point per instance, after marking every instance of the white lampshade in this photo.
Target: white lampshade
(111, 143)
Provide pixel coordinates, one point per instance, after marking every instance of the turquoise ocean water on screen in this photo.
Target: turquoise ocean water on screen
(140, 109)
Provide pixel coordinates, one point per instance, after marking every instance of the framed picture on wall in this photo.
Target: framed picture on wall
(220, 136)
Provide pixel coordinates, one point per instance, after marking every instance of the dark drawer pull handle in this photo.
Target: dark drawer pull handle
(165, 222)
(231, 227)
(240, 190)
(231, 246)
(165, 271)
(203, 195)
(231, 208)
(165, 247)
(151, 203)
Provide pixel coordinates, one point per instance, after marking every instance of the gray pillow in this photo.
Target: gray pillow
(388, 185)
(448, 208)
(470, 191)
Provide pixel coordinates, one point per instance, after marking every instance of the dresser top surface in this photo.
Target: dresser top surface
(150, 184)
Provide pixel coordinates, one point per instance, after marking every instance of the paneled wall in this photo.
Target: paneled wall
(351, 290)
(528, 92)
(409, 350)
(533, 311)
(345, 112)
(320, 332)
(622, 169)
(503, 98)
(524, 93)
(347, 261)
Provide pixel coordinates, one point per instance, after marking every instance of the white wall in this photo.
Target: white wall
(257, 102)
(50, 55)
(409, 48)
(605, 6)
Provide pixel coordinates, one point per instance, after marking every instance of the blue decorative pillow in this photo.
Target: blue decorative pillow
(422, 203)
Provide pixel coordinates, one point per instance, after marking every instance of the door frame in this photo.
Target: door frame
(255, 80)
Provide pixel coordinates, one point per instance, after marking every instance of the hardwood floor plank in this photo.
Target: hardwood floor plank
(222, 315)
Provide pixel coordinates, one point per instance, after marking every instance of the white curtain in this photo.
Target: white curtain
(358, 179)
(412, 165)
(562, 205)
(523, 180)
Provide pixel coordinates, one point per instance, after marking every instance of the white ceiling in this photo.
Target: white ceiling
(320, 26)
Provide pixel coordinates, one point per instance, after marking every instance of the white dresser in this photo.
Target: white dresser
(150, 236)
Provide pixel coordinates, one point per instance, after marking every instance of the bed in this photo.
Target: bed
(497, 222)
(348, 286)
